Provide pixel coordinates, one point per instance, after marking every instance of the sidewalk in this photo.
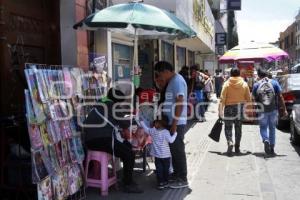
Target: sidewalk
(213, 176)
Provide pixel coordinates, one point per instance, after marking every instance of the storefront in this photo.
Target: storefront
(181, 57)
(167, 52)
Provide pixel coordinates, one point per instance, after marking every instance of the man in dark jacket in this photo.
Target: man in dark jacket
(101, 132)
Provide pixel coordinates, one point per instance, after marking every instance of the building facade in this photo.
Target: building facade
(297, 39)
(287, 42)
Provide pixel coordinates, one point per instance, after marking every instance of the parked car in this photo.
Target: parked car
(295, 69)
(295, 124)
(290, 84)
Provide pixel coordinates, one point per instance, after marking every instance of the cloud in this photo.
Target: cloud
(261, 31)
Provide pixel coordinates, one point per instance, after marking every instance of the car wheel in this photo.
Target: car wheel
(295, 137)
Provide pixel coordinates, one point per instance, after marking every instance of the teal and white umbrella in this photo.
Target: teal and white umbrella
(138, 20)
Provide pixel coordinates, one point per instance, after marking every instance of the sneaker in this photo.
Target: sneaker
(179, 184)
(162, 186)
(267, 147)
(229, 149)
(132, 188)
(272, 152)
(172, 178)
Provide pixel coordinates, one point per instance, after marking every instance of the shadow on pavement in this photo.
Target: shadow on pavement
(297, 149)
(233, 154)
(147, 182)
(257, 154)
(263, 155)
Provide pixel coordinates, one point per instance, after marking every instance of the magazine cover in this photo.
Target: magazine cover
(74, 127)
(65, 129)
(55, 84)
(29, 108)
(76, 74)
(60, 186)
(72, 150)
(35, 136)
(74, 178)
(68, 89)
(41, 84)
(52, 131)
(58, 150)
(79, 149)
(36, 103)
(45, 190)
(65, 153)
(51, 88)
(46, 137)
(47, 80)
(47, 162)
(53, 158)
(39, 170)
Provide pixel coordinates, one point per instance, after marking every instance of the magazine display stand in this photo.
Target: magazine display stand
(56, 149)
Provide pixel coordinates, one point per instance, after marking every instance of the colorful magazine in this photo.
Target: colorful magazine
(39, 170)
(58, 150)
(35, 99)
(46, 137)
(41, 84)
(53, 158)
(72, 150)
(65, 129)
(68, 87)
(79, 149)
(35, 136)
(74, 178)
(52, 131)
(45, 190)
(60, 186)
(29, 108)
(64, 149)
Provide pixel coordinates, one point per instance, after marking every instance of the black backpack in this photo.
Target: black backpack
(265, 94)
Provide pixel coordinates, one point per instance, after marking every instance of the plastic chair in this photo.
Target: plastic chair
(100, 171)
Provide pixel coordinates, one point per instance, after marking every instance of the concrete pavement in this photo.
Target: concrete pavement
(213, 176)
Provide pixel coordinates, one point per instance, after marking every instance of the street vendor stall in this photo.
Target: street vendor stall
(247, 72)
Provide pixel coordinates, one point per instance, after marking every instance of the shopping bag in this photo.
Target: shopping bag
(216, 130)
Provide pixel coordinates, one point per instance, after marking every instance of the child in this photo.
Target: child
(160, 149)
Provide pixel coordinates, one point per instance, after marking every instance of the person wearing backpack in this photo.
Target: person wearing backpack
(197, 86)
(235, 93)
(267, 92)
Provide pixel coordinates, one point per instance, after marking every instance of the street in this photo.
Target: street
(213, 175)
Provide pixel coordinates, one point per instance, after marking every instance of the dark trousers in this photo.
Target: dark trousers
(121, 150)
(233, 115)
(162, 166)
(178, 154)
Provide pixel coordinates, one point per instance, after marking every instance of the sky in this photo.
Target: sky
(263, 20)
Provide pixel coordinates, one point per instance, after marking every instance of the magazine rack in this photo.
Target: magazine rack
(56, 148)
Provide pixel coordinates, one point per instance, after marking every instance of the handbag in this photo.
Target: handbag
(215, 132)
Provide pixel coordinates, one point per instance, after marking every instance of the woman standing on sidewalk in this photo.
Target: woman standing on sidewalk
(235, 93)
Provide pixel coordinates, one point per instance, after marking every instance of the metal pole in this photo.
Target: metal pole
(135, 64)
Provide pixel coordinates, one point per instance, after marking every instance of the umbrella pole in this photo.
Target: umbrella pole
(135, 64)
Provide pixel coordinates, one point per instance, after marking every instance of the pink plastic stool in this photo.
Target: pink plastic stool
(100, 180)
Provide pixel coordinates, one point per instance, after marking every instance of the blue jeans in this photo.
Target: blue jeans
(200, 108)
(162, 166)
(267, 125)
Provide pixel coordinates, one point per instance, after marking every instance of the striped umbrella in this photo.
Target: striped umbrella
(253, 52)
